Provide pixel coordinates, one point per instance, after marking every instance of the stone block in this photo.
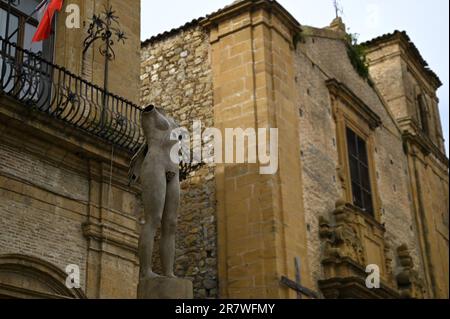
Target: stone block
(165, 288)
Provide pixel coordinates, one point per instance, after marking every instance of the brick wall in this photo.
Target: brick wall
(42, 208)
(58, 201)
(260, 217)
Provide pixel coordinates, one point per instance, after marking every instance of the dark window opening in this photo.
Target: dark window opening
(22, 27)
(423, 113)
(359, 171)
(23, 22)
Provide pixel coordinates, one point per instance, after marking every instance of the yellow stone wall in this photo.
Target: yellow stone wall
(260, 217)
(431, 203)
(399, 76)
(124, 72)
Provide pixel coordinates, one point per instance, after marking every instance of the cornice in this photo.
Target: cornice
(235, 8)
(341, 90)
(250, 5)
(413, 53)
(425, 145)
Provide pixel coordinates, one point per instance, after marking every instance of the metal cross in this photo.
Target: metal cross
(338, 8)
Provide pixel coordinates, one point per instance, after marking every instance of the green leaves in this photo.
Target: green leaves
(357, 55)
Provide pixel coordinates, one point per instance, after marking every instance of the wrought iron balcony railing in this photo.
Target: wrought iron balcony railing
(51, 89)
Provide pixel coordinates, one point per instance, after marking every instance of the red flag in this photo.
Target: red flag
(45, 26)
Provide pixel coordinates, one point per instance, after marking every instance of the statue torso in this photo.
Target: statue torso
(161, 136)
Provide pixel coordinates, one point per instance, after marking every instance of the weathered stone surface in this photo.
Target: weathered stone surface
(125, 68)
(318, 59)
(409, 87)
(160, 184)
(182, 86)
(50, 203)
(59, 203)
(165, 288)
(240, 81)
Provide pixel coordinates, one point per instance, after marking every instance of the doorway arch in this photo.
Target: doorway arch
(25, 277)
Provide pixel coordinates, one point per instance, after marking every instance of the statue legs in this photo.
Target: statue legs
(169, 227)
(161, 200)
(153, 197)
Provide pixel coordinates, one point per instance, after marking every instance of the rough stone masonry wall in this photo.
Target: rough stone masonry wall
(400, 83)
(176, 76)
(317, 60)
(318, 155)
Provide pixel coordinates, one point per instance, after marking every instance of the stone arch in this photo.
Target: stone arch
(24, 276)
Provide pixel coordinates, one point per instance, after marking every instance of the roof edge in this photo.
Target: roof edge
(403, 37)
(217, 15)
(249, 4)
(167, 34)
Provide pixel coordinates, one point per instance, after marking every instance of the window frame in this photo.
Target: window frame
(360, 163)
(22, 20)
(350, 112)
(424, 114)
(47, 45)
(19, 56)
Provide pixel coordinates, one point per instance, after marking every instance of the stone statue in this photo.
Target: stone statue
(158, 170)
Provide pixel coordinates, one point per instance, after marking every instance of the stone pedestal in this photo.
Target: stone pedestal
(165, 288)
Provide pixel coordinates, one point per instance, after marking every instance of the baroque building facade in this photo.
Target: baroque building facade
(362, 178)
(363, 175)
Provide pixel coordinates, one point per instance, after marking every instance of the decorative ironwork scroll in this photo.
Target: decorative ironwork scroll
(51, 89)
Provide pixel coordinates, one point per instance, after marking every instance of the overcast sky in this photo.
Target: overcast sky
(427, 23)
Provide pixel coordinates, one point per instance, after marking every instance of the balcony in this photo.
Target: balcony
(50, 89)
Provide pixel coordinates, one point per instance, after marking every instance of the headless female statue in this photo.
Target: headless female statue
(160, 182)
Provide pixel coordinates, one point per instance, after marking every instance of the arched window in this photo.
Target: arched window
(423, 113)
(26, 277)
